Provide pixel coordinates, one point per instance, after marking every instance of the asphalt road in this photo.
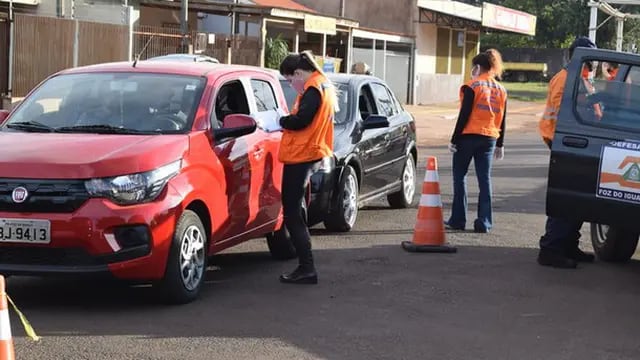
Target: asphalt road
(374, 301)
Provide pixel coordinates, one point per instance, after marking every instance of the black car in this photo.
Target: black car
(375, 153)
(594, 174)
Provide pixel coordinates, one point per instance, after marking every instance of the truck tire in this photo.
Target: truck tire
(613, 244)
(521, 76)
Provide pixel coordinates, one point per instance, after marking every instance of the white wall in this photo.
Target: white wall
(426, 36)
(438, 88)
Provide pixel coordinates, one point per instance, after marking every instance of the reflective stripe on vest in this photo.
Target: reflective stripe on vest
(488, 107)
(547, 124)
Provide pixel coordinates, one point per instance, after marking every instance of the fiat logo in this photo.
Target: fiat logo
(19, 195)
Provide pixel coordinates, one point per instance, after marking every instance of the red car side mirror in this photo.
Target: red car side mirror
(3, 115)
(234, 126)
(235, 121)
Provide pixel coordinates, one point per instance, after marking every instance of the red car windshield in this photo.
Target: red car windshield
(91, 102)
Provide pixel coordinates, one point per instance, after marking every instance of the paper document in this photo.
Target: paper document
(271, 122)
(271, 125)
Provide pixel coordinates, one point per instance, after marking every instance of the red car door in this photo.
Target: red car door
(240, 160)
(267, 109)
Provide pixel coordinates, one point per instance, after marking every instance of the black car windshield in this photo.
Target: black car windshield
(114, 103)
(343, 100)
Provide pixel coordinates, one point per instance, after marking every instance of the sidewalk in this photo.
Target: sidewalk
(435, 123)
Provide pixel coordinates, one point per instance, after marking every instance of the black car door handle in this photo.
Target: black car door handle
(576, 142)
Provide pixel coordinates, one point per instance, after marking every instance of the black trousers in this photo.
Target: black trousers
(561, 235)
(295, 179)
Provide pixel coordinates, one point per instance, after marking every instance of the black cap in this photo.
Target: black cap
(582, 41)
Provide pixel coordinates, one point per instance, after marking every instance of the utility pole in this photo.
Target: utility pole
(232, 32)
(11, 50)
(342, 8)
(184, 22)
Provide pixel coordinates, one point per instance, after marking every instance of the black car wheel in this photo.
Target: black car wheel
(280, 245)
(613, 244)
(344, 211)
(187, 261)
(405, 197)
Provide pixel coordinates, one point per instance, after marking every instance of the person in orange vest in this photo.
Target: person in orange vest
(478, 135)
(559, 245)
(611, 71)
(307, 138)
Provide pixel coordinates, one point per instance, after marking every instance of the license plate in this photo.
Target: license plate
(25, 231)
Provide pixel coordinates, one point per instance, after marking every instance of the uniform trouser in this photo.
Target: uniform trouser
(560, 234)
(295, 179)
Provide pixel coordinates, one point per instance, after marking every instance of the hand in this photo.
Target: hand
(452, 148)
(498, 153)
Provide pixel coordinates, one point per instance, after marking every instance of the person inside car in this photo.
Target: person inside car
(559, 245)
(307, 138)
(478, 135)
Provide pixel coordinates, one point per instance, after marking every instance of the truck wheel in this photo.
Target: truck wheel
(344, 211)
(280, 245)
(613, 244)
(521, 77)
(187, 261)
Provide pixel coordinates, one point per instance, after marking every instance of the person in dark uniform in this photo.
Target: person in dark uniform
(559, 244)
(307, 138)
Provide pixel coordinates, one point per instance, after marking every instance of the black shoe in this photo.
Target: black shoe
(300, 276)
(580, 256)
(556, 260)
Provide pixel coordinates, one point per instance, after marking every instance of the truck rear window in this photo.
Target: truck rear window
(609, 95)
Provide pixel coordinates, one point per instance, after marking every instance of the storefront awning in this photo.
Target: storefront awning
(506, 19)
(453, 8)
(457, 14)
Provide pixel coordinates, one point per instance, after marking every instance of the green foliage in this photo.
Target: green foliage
(276, 49)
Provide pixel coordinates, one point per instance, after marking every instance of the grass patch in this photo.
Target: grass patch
(528, 91)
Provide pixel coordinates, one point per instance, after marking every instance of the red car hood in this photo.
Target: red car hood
(84, 156)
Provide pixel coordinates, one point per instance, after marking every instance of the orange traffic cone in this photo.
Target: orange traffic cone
(428, 235)
(6, 342)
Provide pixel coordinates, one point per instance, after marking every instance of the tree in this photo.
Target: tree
(559, 22)
(276, 49)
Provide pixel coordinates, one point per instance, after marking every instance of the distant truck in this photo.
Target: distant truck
(525, 71)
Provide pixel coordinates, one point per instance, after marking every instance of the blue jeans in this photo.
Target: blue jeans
(480, 149)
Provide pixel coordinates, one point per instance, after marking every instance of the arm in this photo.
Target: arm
(309, 105)
(465, 111)
(503, 127)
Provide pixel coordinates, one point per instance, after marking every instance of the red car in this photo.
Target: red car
(141, 171)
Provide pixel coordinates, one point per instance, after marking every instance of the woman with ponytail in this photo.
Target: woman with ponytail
(307, 138)
(478, 135)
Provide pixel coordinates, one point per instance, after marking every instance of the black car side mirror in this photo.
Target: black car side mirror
(234, 126)
(375, 122)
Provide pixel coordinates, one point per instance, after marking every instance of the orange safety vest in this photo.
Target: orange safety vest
(488, 106)
(547, 124)
(316, 140)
